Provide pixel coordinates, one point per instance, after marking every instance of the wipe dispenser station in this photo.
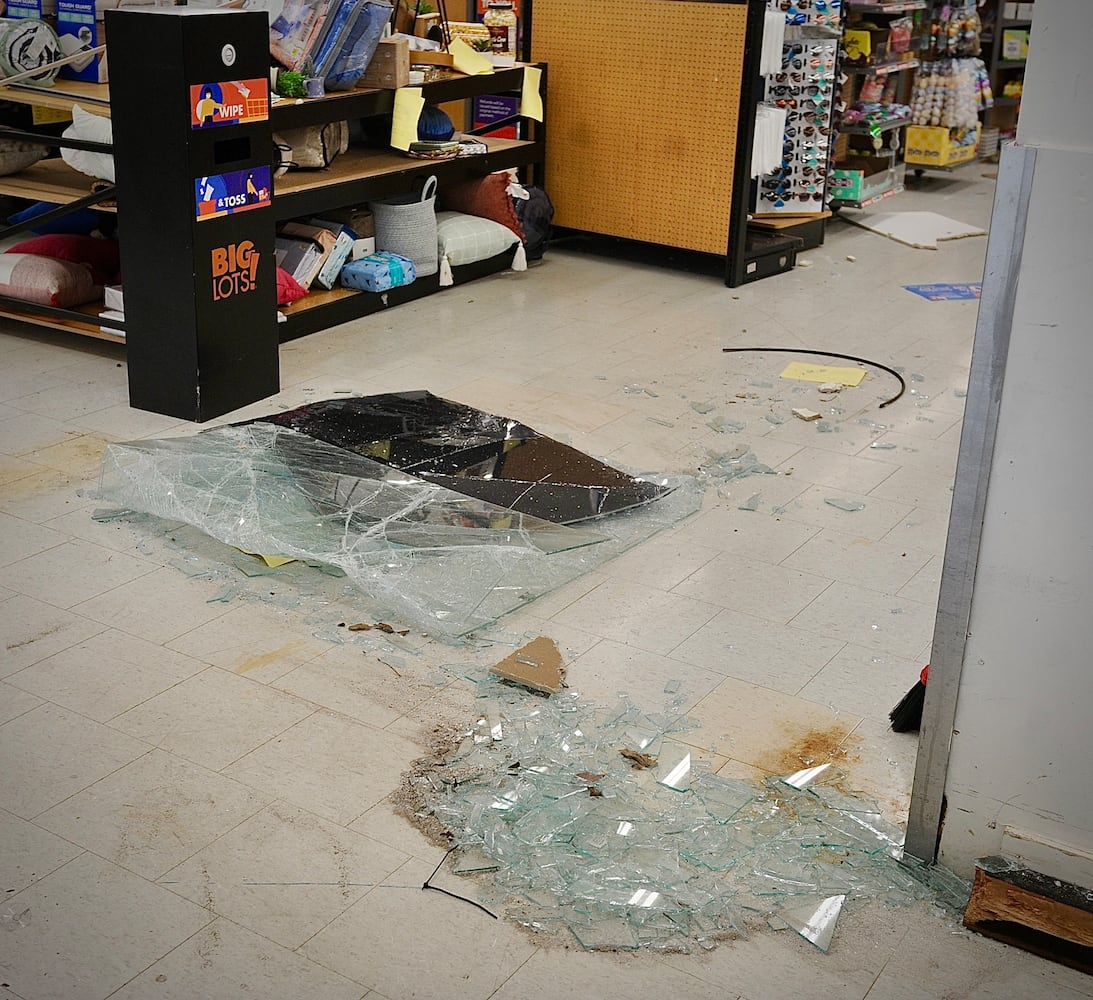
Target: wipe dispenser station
(189, 97)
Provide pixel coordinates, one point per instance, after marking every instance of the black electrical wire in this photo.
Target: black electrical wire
(427, 884)
(831, 354)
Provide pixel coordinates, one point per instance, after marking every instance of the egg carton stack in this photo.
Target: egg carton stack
(949, 93)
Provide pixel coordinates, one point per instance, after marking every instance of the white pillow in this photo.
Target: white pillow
(465, 239)
(92, 128)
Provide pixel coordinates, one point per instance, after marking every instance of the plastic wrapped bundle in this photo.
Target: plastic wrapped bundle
(378, 272)
(346, 60)
(27, 46)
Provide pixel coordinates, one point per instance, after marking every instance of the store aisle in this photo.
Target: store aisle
(193, 790)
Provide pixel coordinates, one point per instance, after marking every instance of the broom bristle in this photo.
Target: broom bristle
(907, 715)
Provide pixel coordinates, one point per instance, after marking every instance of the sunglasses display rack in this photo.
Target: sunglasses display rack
(804, 88)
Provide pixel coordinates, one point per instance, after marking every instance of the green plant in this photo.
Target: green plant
(290, 83)
(481, 44)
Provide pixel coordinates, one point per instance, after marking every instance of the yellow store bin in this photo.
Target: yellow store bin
(936, 146)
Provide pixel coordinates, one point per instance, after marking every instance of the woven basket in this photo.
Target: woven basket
(406, 225)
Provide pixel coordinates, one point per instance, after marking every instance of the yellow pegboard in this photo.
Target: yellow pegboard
(642, 113)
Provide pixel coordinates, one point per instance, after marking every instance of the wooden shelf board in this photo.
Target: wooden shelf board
(361, 164)
(94, 97)
(316, 298)
(49, 180)
(90, 328)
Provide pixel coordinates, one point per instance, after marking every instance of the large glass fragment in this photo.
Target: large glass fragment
(665, 857)
(426, 554)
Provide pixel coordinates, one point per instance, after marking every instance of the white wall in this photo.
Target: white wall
(1020, 777)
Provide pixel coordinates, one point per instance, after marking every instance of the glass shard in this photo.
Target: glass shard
(815, 921)
(843, 504)
(677, 775)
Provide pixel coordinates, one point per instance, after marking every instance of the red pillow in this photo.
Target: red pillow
(288, 288)
(487, 197)
(102, 256)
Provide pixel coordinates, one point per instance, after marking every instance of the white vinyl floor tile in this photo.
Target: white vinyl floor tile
(93, 926)
(196, 790)
(213, 718)
(284, 872)
(225, 960)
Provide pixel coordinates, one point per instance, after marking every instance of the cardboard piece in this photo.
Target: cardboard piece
(536, 665)
(823, 373)
(921, 230)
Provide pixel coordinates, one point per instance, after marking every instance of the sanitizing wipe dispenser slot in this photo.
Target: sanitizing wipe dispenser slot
(189, 93)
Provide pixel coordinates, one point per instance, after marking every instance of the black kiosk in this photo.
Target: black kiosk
(189, 94)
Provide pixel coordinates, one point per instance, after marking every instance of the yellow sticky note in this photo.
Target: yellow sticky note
(466, 60)
(408, 105)
(824, 373)
(531, 101)
(273, 562)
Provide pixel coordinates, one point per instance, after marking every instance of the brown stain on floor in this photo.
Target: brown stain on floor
(809, 749)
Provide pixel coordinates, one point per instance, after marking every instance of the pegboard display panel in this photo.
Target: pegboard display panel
(643, 103)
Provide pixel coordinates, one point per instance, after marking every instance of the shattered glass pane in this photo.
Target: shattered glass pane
(433, 557)
(660, 857)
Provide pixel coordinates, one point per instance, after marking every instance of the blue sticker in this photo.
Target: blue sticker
(941, 293)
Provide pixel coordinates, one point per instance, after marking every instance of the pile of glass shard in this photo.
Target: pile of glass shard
(597, 822)
(433, 509)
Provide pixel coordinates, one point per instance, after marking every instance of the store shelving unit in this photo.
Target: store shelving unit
(1003, 116)
(868, 166)
(186, 358)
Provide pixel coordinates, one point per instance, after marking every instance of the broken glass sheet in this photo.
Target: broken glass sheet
(658, 858)
(425, 554)
(752, 503)
(484, 455)
(740, 461)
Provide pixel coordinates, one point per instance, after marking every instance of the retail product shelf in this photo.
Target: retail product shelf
(199, 344)
(361, 173)
(864, 128)
(88, 327)
(48, 180)
(840, 203)
(93, 97)
(882, 69)
(897, 7)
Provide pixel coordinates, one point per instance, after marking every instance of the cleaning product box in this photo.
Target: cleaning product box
(37, 10)
(344, 238)
(80, 29)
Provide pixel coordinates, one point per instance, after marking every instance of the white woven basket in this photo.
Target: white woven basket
(406, 225)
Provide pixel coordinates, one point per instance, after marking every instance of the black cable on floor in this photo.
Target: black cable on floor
(427, 884)
(831, 354)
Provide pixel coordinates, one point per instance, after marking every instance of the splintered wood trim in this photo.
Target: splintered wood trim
(1028, 910)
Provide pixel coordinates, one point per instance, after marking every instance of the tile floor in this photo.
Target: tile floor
(193, 794)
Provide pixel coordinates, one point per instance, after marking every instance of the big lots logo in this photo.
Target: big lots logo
(235, 269)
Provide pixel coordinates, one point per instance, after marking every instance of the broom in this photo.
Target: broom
(906, 717)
